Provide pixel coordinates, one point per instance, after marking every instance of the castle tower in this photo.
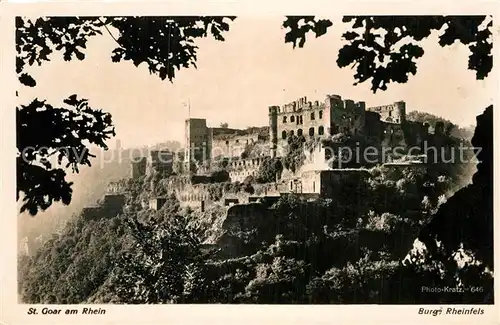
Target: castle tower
(196, 140)
(401, 111)
(333, 105)
(273, 129)
(439, 128)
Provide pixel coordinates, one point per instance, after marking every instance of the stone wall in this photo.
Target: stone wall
(373, 126)
(345, 116)
(157, 203)
(110, 206)
(393, 135)
(115, 187)
(323, 183)
(197, 140)
(138, 167)
(198, 195)
(240, 169)
(415, 133)
(392, 113)
(160, 161)
(228, 146)
(113, 203)
(301, 117)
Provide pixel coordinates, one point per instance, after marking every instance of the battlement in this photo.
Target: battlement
(298, 105)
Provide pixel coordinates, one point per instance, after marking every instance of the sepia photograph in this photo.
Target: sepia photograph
(269, 160)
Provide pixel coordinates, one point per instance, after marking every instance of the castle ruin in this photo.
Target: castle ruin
(244, 150)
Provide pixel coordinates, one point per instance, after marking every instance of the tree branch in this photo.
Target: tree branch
(109, 32)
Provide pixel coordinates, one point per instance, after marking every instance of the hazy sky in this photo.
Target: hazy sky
(238, 79)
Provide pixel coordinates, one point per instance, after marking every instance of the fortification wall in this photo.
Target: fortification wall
(373, 125)
(392, 113)
(160, 161)
(138, 167)
(416, 133)
(228, 146)
(242, 168)
(206, 195)
(345, 116)
(115, 187)
(333, 181)
(393, 136)
(110, 206)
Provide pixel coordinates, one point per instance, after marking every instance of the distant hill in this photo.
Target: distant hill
(89, 186)
(455, 130)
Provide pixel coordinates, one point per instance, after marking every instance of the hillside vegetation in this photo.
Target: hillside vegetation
(343, 250)
(357, 247)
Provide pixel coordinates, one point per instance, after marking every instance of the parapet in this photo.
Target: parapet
(274, 110)
(299, 105)
(336, 97)
(361, 106)
(348, 103)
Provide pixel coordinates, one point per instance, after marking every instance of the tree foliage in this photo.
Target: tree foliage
(71, 267)
(166, 266)
(295, 156)
(43, 132)
(164, 44)
(385, 49)
(268, 170)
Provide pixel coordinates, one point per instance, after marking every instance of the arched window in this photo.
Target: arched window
(312, 116)
(292, 118)
(283, 134)
(299, 132)
(284, 119)
(320, 115)
(321, 130)
(311, 132)
(227, 143)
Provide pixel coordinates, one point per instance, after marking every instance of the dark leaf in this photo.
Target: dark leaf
(27, 80)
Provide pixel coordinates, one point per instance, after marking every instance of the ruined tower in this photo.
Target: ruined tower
(197, 139)
(394, 113)
(401, 111)
(273, 129)
(138, 167)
